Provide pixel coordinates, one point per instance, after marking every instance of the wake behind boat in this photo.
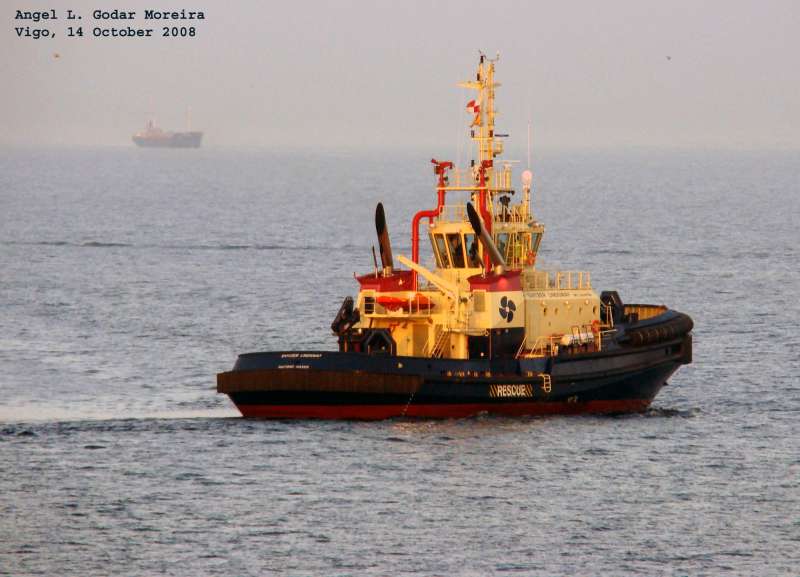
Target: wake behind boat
(485, 330)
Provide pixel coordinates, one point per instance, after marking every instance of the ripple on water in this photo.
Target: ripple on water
(123, 300)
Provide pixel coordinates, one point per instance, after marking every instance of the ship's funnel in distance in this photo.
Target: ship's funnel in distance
(383, 239)
(486, 240)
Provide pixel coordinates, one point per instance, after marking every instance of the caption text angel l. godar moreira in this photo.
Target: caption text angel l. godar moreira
(42, 24)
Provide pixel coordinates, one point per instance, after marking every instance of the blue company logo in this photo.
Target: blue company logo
(507, 308)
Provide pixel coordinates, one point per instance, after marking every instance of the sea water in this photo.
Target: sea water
(130, 277)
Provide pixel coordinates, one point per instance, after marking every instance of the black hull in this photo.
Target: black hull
(335, 385)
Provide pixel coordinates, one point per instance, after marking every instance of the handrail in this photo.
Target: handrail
(412, 307)
(543, 347)
(557, 280)
(427, 346)
(453, 213)
(458, 213)
(467, 179)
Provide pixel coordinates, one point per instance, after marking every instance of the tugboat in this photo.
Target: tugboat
(484, 331)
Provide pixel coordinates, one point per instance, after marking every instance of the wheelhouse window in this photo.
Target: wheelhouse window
(536, 238)
(436, 253)
(456, 250)
(473, 257)
(502, 243)
(441, 251)
(516, 250)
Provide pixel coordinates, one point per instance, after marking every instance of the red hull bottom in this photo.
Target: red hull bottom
(439, 411)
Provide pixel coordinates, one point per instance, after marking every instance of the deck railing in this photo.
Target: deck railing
(412, 307)
(541, 347)
(580, 337)
(557, 280)
(453, 213)
(458, 213)
(468, 179)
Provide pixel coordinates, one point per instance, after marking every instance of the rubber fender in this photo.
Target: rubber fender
(671, 327)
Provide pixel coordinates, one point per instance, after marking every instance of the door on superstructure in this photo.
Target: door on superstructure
(419, 336)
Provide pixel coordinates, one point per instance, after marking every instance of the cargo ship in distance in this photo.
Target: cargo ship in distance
(484, 330)
(154, 137)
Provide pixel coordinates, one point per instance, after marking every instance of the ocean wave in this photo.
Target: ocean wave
(98, 244)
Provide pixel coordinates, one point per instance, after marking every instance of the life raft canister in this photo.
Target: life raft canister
(418, 301)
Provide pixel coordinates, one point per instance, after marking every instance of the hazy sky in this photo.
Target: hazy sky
(372, 73)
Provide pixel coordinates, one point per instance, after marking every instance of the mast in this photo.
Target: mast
(509, 225)
(484, 110)
(482, 133)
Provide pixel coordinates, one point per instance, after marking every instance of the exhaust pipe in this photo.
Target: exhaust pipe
(383, 240)
(486, 240)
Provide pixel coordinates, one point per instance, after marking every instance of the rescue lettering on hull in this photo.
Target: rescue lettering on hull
(505, 391)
